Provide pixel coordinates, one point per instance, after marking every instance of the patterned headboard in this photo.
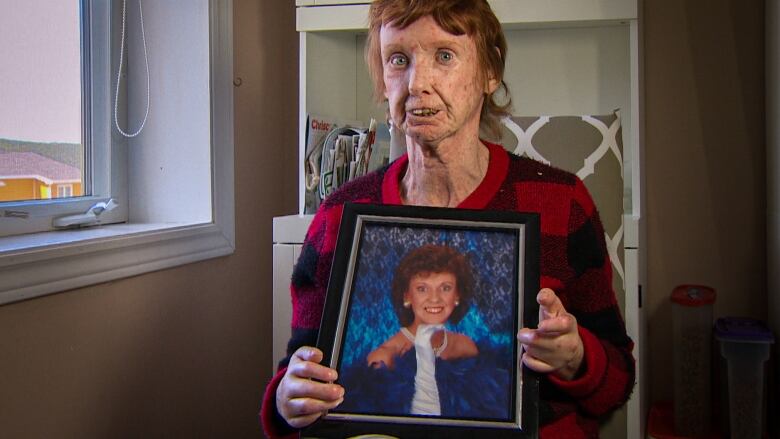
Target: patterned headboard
(590, 147)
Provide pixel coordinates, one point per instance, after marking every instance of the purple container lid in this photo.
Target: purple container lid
(743, 329)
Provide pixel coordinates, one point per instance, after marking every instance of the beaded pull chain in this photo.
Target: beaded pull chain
(119, 72)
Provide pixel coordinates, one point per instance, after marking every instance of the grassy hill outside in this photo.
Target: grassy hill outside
(69, 153)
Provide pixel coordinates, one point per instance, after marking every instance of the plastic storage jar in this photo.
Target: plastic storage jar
(744, 343)
(692, 332)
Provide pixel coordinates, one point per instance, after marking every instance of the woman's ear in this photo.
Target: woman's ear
(491, 85)
(492, 82)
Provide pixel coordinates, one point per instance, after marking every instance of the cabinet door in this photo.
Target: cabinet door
(285, 256)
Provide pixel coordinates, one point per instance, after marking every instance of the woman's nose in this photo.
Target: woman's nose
(420, 78)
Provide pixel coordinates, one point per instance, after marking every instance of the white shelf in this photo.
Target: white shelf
(332, 18)
(335, 15)
(546, 12)
(291, 229)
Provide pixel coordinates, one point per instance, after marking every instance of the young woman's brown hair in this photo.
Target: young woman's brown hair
(426, 260)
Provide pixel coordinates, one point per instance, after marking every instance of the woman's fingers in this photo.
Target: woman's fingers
(301, 401)
(546, 349)
(305, 407)
(536, 364)
(307, 353)
(305, 392)
(308, 369)
(555, 345)
(302, 421)
(558, 325)
(549, 304)
(305, 388)
(306, 411)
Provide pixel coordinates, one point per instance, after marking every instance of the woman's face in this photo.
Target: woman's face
(432, 297)
(432, 80)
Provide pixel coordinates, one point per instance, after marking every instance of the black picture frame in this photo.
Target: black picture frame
(503, 252)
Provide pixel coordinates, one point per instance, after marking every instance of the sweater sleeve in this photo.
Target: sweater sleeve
(273, 424)
(607, 376)
(307, 290)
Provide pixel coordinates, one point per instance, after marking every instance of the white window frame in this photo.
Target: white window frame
(64, 190)
(105, 174)
(36, 264)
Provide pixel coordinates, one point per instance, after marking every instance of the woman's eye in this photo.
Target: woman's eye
(421, 289)
(445, 56)
(446, 288)
(398, 60)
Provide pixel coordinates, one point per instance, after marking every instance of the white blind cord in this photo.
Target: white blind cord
(119, 72)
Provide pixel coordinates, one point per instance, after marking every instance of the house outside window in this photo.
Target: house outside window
(31, 176)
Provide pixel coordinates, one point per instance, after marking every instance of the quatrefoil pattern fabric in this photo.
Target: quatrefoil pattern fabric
(590, 147)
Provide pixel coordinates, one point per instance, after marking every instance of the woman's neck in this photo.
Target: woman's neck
(444, 174)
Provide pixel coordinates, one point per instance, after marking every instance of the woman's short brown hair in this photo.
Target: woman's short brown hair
(458, 17)
(429, 259)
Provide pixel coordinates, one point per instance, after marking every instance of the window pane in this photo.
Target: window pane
(41, 146)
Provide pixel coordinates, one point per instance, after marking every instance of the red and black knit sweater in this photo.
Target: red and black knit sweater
(574, 263)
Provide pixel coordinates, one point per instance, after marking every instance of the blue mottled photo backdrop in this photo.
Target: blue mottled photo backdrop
(494, 260)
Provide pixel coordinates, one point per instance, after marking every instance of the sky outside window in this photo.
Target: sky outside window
(40, 99)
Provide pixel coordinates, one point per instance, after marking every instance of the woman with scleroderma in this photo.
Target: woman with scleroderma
(439, 64)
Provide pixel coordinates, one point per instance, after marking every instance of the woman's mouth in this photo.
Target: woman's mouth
(422, 112)
(434, 309)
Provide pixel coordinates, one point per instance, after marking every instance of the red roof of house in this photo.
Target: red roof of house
(18, 164)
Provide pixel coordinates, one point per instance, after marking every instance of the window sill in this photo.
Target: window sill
(43, 263)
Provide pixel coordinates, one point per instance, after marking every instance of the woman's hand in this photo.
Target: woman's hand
(555, 346)
(300, 399)
(380, 357)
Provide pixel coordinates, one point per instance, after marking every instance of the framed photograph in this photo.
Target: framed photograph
(420, 321)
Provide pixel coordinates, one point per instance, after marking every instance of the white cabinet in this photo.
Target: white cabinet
(565, 57)
(287, 236)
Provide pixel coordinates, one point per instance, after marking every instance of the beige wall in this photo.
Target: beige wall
(185, 352)
(182, 352)
(704, 107)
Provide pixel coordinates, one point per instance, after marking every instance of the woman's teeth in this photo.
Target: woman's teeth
(424, 112)
(435, 310)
